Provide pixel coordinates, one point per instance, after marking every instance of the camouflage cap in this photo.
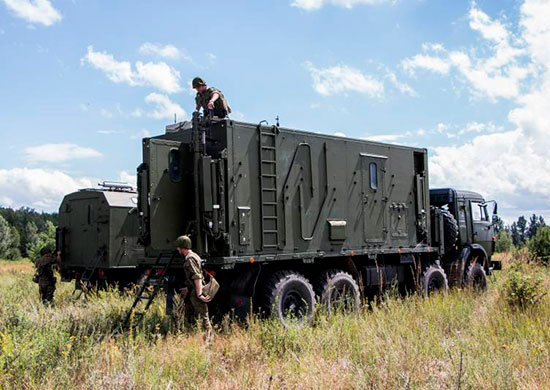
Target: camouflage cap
(183, 242)
(197, 82)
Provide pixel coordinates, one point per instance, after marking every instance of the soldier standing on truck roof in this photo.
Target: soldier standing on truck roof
(192, 292)
(210, 99)
(45, 274)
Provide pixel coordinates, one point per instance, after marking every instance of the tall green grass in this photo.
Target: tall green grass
(455, 341)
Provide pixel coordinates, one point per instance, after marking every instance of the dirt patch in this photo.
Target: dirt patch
(16, 266)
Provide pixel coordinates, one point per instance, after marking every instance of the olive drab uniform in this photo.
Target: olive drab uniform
(46, 278)
(221, 107)
(193, 270)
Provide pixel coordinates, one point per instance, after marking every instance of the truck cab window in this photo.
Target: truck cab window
(479, 211)
(373, 176)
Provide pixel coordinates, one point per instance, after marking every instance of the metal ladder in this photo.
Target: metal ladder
(268, 187)
(83, 283)
(150, 287)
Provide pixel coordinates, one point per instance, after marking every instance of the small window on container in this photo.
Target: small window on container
(373, 176)
(174, 164)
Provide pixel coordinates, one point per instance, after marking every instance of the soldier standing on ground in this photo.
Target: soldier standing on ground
(210, 98)
(45, 273)
(192, 292)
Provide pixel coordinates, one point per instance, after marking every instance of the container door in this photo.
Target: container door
(373, 169)
(166, 193)
(82, 235)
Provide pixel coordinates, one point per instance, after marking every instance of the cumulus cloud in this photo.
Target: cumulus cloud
(311, 5)
(402, 87)
(163, 107)
(498, 75)
(511, 166)
(155, 74)
(342, 78)
(53, 153)
(41, 189)
(165, 51)
(34, 11)
(127, 177)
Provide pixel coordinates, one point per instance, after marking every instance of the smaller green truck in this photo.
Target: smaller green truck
(98, 235)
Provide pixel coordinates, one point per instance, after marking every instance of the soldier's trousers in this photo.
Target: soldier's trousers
(46, 292)
(198, 310)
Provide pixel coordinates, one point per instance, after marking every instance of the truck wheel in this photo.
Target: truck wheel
(450, 228)
(476, 277)
(337, 289)
(289, 297)
(434, 280)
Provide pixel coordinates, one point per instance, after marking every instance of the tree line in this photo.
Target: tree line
(24, 231)
(532, 233)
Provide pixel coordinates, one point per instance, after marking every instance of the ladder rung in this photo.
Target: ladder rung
(268, 147)
(269, 189)
(270, 231)
(269, 203)
(270, 217)
(269, 161)
(270, 245)
(270, 134)
(268, 175)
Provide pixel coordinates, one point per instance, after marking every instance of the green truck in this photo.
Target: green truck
(98, 235)
(287, 218)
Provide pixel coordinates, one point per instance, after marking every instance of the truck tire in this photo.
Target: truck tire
(450, 229)
(289, 297)
(337, 289)
(434, 280)
(476, 277)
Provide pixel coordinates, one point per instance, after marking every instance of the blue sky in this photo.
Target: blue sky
(82, 82)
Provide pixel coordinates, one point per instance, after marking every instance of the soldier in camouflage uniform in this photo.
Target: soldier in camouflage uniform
(210, 99)
(197, 302)
(45, 275)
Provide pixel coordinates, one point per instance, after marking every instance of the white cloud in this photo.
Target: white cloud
(421, 61)
(402, 87)
(342, 78)
(155, 74)
(128, 178)
(510, 166)
(38, 188)
(165, 51)
(34, 11)
(54, 153)
(164, 107)
(338, 134)
(311, 5)
(497, 75)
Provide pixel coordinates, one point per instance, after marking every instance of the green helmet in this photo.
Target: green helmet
(183, 242)
(197, 82)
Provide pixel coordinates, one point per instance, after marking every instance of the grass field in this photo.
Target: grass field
(456, 341)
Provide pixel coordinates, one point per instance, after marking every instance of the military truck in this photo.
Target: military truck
(97, 235)
(287, 218)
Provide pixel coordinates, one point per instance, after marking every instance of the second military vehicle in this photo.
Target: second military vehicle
(97, 235)
(288, 218)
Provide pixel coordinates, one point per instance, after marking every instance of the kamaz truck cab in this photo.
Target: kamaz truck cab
(476, 235)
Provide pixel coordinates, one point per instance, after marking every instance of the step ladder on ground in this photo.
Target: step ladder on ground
(150, 287)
